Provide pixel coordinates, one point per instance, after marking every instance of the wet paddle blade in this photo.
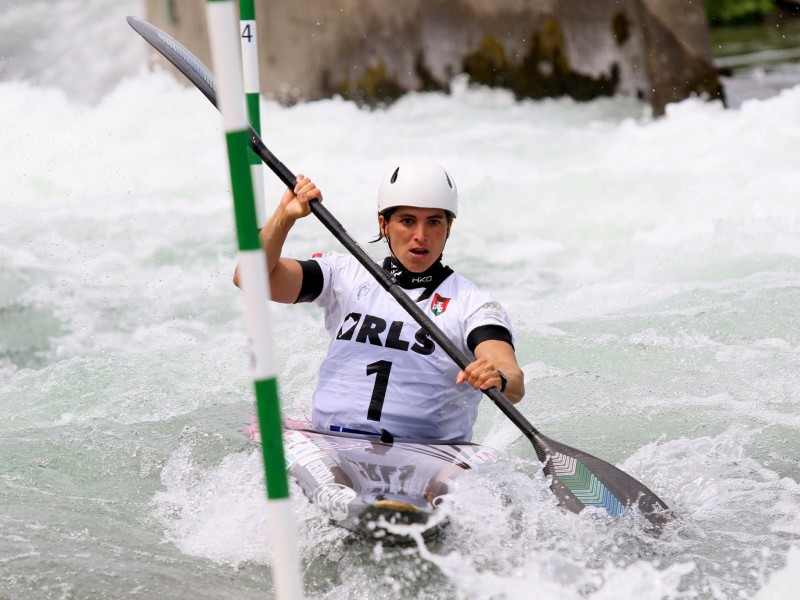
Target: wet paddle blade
(580, 480)
(186, 62)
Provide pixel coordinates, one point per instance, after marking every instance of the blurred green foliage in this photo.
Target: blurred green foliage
(736, 12)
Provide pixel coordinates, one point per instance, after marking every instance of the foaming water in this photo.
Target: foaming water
(651, 267)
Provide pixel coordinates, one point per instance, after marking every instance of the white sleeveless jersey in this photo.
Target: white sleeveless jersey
(382, 371)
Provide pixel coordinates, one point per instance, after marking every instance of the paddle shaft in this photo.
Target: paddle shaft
(388, 283)
(557, 459)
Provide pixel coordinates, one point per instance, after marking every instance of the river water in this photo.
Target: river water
(651, 267)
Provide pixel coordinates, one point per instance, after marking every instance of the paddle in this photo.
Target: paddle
(578, 480)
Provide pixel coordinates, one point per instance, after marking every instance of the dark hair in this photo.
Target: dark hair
(387, 214)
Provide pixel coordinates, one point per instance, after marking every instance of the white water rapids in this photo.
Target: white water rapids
(651, 267)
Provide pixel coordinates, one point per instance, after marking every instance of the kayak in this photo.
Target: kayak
(369, 484)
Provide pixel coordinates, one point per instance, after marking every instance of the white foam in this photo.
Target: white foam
(784, 583)
(651, 267)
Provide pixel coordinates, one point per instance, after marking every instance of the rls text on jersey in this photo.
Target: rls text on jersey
(369, 329)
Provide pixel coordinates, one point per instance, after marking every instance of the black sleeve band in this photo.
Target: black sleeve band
(488, 332)
(311, 287)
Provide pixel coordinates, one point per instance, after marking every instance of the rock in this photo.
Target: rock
(373, 51)
(678, 53)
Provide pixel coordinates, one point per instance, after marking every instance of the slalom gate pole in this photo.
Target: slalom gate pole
(249, 40)
(221, 16)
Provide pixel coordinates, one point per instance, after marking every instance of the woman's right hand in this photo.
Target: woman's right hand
(295, 202)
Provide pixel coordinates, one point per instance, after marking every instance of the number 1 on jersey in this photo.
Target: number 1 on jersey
(381, 369)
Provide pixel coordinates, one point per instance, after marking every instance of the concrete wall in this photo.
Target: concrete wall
(681, 64)
(376, 50)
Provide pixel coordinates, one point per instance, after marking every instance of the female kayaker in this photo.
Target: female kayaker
(382, 371)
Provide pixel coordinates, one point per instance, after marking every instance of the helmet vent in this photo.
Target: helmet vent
(396, 171)
(450, 183)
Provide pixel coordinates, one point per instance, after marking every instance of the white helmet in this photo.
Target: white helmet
(418, 183)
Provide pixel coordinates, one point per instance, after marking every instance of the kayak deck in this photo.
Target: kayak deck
(367, 485)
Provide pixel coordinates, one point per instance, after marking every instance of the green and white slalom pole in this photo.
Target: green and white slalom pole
(249, 40)
(255, 286)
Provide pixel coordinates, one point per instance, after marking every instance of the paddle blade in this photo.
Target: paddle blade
(580, 480)
(186, 62)
(202, 78)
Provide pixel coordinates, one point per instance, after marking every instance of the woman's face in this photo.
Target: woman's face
(417, 235)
